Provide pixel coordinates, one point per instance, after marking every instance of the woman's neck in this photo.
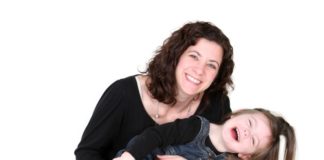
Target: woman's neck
(185, 106)
(183, 101)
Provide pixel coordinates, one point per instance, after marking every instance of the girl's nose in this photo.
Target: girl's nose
(246, 133)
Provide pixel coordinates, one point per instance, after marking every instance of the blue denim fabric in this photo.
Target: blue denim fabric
(194, 150)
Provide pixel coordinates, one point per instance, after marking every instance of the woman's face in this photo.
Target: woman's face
(198, 67)
(246, 133)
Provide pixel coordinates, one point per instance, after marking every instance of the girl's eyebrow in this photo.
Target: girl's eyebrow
(254, 121)
(255, 124)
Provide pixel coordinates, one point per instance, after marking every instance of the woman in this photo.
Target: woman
(189, 75)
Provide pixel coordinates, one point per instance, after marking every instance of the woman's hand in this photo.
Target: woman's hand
(170, 157)
(125, 156)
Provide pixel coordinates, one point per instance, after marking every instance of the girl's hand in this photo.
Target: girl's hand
(170, 157)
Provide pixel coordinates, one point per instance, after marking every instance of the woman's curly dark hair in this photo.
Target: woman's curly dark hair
(162, 66)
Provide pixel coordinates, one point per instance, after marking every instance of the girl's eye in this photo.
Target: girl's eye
(250, 123)
(253, 141)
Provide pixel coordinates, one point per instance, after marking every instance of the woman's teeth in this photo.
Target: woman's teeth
(193, 80)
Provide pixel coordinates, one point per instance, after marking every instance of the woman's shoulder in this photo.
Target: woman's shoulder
(125, 83)
(121, 86)
(217, 107)
(126, 80)
(218, 97)
(220, 100)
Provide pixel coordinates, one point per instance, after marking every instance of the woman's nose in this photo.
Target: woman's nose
(199, 69)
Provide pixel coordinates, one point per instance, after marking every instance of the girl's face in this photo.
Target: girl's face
(246, 133)
(198, 67)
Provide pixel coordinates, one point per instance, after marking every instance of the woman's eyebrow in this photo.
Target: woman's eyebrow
(213, 61)
(195, 52)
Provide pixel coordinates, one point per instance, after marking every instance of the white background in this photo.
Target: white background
(58, 57)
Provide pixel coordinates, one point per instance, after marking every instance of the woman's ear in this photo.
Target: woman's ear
(244, 156)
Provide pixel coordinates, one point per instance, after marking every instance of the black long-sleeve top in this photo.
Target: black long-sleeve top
(120, 115)
(180, 132)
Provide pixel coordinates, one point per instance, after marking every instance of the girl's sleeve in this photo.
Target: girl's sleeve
(101, 128)
(174, 133)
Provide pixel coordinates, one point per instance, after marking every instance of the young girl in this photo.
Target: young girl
(246, 134)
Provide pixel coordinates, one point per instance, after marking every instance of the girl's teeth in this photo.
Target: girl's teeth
(238, 135)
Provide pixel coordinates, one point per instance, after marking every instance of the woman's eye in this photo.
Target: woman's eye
(253, 141)
(194, 56)
(212, 66)
(250, 123)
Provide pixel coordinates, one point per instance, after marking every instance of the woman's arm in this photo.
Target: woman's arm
(101, 129)
(174, 133)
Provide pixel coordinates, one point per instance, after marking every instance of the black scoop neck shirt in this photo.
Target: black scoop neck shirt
(120, 115)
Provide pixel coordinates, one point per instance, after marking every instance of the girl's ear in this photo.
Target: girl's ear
(244, 156)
